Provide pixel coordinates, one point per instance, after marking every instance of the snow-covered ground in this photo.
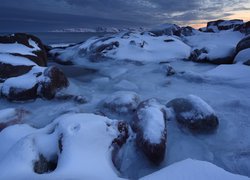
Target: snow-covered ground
(140, 69)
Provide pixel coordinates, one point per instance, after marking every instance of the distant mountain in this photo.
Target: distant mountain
(99, 29)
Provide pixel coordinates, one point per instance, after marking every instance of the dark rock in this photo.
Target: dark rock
(243, 44)
(169, 70)
(166, 29)
(9, 70)
(42, 165)
(55, 80)
(243, 28)
(151, 117)
(40, 57)
(194, 113)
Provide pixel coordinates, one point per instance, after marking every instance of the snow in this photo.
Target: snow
(86, 142)
(19, 48)
(15, 60)
(242, 56)
(190, 169)
(152, 121)
(154, 48)
(218, 45)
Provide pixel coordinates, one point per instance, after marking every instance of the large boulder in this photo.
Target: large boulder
(151, 130)
(194, 113)
(243, 44)
(24, 45)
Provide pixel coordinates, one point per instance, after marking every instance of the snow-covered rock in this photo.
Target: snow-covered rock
(133, 46)
(219, 25)
(40, 81)
(194, 113)
(190, 169)
(216, 48)
(150, 126)
(79, 147)
(122, 102)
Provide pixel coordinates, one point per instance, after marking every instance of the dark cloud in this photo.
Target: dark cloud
(77, 13)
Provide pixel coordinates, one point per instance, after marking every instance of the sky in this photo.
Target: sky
(47, 15)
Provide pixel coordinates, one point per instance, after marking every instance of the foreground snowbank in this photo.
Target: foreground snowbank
(191, 170)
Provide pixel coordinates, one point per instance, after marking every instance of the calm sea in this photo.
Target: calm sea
(62, 37)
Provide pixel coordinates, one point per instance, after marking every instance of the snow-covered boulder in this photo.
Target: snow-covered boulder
(216, 48)
(74, 146)
(243, 44)
(193, 169)
(151, 130)
(133, 46)
(243, 57)
(243, 28)
(122, 102)
(40, 81)
(219, 25)
(194, 113)
(24, 45)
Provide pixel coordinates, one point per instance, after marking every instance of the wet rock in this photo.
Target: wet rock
(194, 113)
(149, 125)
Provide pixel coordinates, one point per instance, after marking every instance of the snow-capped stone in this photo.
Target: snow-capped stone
(193, 169)
(122, 102)
(150, 126)
(24, 45)
(79, 147)
(194, 113)
(243, 44)
(218, 25)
